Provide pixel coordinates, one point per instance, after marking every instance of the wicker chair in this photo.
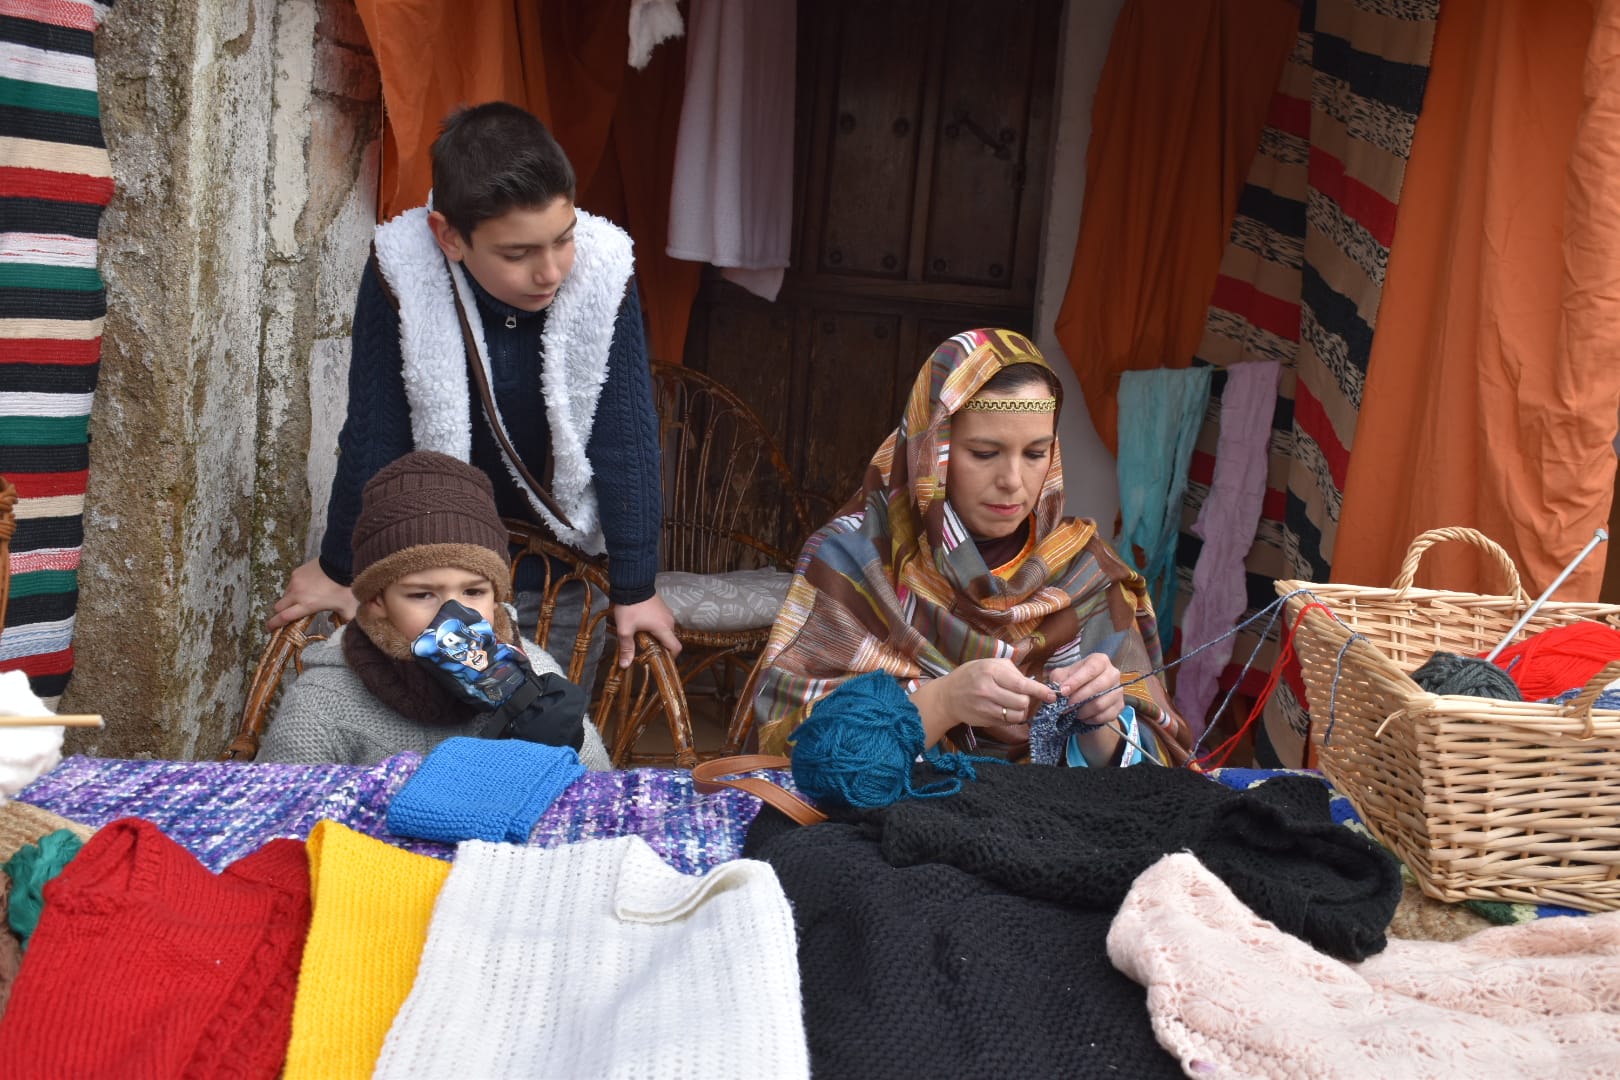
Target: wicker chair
(653, 675)
(731, 503)
(286, 646)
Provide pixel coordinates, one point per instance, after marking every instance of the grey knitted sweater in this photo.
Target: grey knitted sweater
(328, 716)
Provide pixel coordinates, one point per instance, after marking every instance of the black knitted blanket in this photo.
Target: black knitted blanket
(965, 936)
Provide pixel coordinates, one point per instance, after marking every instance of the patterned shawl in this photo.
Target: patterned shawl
(895, 583)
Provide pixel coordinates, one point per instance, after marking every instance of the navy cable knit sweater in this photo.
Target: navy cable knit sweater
(623, 447)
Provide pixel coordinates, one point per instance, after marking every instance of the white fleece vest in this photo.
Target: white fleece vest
(573, 355)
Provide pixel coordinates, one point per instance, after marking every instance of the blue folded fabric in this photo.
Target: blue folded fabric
(482, 789)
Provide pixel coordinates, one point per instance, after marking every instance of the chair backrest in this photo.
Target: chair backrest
(730, 500)
(561, 566)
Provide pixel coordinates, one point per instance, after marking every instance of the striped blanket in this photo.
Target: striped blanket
(1300, 283)
(55, 179)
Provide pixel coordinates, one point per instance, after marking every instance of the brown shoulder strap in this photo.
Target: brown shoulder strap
(382, 279)
(476, 367)
(721, 772)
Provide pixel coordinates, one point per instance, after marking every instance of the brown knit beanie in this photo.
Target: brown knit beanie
(424, 511)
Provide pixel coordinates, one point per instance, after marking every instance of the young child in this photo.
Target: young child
(428, 533)
(501, 275)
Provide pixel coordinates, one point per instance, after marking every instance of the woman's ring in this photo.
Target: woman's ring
(1004, 714)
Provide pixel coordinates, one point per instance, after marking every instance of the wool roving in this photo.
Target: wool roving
(859, 744)
(26, 753)
(482, 789)
(598, 959)
(30, 869)
(145, 964)
(372, 903)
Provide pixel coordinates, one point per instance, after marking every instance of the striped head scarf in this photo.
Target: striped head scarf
(895, 583)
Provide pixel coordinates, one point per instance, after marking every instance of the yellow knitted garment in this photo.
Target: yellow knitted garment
(372, 904)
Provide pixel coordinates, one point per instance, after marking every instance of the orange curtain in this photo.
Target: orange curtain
(1493, 386)
(1179, 110)
(433, 56)
(632, 187)
(566, 62)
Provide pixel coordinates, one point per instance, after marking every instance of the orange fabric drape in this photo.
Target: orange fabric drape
(632, 184)
(566, 62)
(433, 56)
(1178, 113)
(1494, 381)
(585, 46)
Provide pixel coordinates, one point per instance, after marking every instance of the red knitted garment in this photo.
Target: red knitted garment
(145, 964)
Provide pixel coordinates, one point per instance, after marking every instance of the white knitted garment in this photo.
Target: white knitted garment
(597, 959)
(1233, 996)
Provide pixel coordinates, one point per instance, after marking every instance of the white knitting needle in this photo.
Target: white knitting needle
(1597, 538)
(65, 720)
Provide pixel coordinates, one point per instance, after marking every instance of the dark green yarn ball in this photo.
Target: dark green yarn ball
(1448, 673)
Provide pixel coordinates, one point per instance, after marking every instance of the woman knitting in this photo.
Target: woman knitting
(955, 572)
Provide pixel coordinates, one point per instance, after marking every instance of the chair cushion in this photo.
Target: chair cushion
(739, 600)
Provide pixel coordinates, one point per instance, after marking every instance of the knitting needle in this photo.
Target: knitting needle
(1597, 538)
(65, 720)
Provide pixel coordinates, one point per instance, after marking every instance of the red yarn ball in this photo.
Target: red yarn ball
(1559, 659)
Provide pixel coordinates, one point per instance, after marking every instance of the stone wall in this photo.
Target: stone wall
(243, 136)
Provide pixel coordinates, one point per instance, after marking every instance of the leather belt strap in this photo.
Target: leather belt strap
(476, 367)
(716, 773)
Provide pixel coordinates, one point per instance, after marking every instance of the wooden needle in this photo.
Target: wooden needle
(66, 720)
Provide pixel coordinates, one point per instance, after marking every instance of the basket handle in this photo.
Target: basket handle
(1581, 705)
(1414, 554)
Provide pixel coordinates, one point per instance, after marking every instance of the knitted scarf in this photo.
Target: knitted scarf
(381, 657)
(897, 584)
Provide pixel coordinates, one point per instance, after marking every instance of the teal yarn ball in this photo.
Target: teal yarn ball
(860, 744)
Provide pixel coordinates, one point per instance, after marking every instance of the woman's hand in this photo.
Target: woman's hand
(992, 695)
(1093, 675)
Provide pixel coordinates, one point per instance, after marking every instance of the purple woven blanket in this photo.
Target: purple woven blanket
(221, 811)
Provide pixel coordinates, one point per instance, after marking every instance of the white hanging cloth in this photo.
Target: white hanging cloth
(731, 203)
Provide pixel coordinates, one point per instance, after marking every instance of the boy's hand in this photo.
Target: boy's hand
(651, 616)
(308, 591)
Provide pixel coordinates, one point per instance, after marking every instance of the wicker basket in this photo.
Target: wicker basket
(1483, 800)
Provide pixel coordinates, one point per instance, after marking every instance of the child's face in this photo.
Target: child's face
(411, 602)
(520, 257)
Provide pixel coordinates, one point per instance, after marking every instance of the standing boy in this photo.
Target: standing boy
(500, 325)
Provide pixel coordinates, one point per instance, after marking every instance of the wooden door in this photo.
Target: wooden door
(922, 150)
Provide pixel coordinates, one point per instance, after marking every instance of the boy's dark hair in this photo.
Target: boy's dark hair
(493, 158)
